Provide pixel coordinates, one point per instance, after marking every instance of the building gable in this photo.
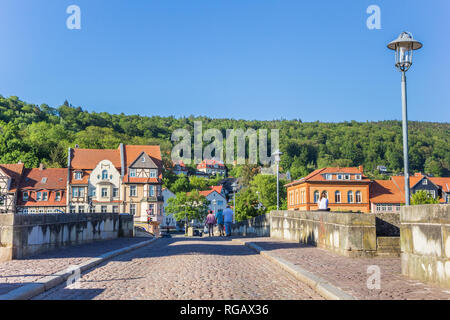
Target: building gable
(143, 161)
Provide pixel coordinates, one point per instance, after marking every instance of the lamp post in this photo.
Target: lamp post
(234, 186)
(276, 156)
(404, 46)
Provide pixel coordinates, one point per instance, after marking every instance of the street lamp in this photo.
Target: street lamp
(234, 186)
(404, 46)
(276, 156)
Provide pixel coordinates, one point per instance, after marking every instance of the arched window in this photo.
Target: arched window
(316, 196)
(350, 197)
(105, 174)
(358, 197)
(337, 197)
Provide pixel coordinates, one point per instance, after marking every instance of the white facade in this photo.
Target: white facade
(168, 219)
(221, 201)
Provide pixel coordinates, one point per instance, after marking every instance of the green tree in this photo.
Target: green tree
(188, 206)
(247, 205)
(423, 197)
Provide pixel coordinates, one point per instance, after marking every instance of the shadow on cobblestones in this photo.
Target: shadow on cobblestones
(77, 294)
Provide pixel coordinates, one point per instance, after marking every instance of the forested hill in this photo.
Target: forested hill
(35, 134)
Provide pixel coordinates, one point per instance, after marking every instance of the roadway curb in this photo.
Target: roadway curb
(33, 289)
(323, 287)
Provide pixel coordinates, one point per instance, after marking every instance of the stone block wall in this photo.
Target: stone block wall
(425, 243)
(387, 224)
(25, 235)
(258, 226)
(349, 234)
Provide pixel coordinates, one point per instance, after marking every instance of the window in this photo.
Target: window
(77, 192)
(72, 209)
(93, 192)
(80, 209)
(358, 177)
(41, 211)
(132, 172)
(25, 211)
(104, 192)
(44, 196)
(316, 196)
(424, 182)
(329, 176)
(133, 191)
(104, 174)
(358, 197)
(350, 197)
(58, 196)
(151, 191)
(92, 209)
(115, 192)
(432, 193)
(346, 177)
(339, 176)
(337, 197)
(152, 173)
(142, 159)
(38, 196)
(25, 196)
(132, 209)
(115, 209)
(78, 175)
(104, 209)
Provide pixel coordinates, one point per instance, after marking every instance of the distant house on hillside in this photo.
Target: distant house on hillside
(168, 220)
(179, 168)
(212, 167)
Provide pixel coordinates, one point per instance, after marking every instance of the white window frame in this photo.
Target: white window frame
(133, 190)
(153, 173)
(132, 173)
(78, 175)
(115, 192)
(424, 182)
(104, 209)
(57, 195)
(358, 177)
(105, 194)
(133, 209)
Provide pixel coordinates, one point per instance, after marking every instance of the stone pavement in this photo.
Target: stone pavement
(186, 268)
(350, 274)
(15, 273)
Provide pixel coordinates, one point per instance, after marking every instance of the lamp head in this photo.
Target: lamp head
(404, 46)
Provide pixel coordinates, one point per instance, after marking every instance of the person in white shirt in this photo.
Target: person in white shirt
(323, 202)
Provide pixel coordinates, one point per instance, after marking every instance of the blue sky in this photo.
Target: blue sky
(246, 59)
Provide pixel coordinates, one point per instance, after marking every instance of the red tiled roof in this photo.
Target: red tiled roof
(127, 179)
(14, 171)
(46, 179)
(317, 175)
(89, 158)
(84, 178)
(210, 164)
(386, 191)
(443, 182)
(133, 151)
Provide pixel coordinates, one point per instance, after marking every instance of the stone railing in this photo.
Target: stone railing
(25, 235)
(425, 243)
(349, 234)
(258, 226)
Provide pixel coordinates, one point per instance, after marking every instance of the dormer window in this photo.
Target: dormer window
(58, 196)
(346, 177)
(358, 177)
(78, 175)
(152, 173)
(424, 182)
(339, 176)
(132, 172)
(25, 196)
(104, 174)
(328, 176)
(44, 196)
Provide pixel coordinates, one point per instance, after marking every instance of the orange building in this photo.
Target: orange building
(347, 190)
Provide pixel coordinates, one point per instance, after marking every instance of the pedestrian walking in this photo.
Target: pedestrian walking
(228, 219)
(220, 223)
(210, 222)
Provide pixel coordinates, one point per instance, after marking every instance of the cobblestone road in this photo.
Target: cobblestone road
(15, 273)
(187, 268)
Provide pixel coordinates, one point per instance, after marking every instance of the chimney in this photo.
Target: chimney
(41, 166)
(361, 169)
